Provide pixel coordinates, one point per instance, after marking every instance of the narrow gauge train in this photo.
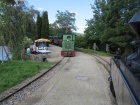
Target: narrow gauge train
(68, 47)
(51, 39)
(56, 40)
(125, 74)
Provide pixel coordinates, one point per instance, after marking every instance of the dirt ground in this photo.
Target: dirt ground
(55, 55)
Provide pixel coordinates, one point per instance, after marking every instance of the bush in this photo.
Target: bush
(80, 42)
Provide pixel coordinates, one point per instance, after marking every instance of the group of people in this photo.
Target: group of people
(32, 50)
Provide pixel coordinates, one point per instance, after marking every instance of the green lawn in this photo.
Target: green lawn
(95, 52)
(14, 72)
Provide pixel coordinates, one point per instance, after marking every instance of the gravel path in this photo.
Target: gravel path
(55, 55)
(79, 82)
(45, 90)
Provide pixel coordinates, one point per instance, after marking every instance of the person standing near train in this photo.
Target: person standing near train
(118, 52)
(28, 50)
(34, 48)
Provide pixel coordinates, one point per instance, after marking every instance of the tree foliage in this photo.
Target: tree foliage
(45, 25)
(17, 22)
(80, 42)
(39, 25)
(64, 19)
(109, 24)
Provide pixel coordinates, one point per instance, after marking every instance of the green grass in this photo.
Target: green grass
(16, 71)
(96, 52)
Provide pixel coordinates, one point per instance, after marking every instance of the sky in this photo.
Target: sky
(82, 9)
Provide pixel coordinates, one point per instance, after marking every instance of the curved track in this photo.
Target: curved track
(100, 59)
(15, 97)
(104, 62)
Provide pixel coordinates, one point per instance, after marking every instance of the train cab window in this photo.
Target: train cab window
(68, 38)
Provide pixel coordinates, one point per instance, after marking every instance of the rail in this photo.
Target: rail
(7, 96)
(100, 59)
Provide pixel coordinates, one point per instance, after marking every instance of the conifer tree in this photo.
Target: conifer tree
(39, 25)
(45, 25)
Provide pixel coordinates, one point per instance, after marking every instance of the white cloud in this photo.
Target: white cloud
(40, 9)
(81, 29)
(74, 12)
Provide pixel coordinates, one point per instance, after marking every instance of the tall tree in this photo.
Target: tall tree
(30, 23)
(109, 22)
(117, 18)
(39, 25)
(10, 1)
(45, 25)
(18, 22)
(96, 25)
(65, 19)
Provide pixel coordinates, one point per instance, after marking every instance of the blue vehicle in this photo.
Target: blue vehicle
(42, 46)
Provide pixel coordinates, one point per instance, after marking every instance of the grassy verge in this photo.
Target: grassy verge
(95, 52)
(14, 72)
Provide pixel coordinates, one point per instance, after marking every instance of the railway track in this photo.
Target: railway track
(102, 60)
(28, 88)
(105, 61)
(22, 93)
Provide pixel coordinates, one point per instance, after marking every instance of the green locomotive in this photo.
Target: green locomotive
(68, 47)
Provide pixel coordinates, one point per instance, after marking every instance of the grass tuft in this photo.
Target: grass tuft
(96, 52)
(16, 71)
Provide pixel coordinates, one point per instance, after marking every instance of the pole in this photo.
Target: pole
(66, 28)
(6, 53)
(107, 48)
(2, 54)
(94, 46)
